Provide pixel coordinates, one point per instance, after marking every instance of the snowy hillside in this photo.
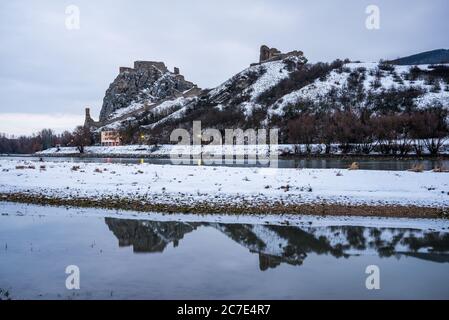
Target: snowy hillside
(152, 100)
(374, 81)
(249, 92)
(253, 82)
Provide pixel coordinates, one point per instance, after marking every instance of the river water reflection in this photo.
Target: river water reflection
(143, 259)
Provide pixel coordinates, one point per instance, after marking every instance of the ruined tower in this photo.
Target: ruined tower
(267, 53)
(273, 54)
(88, 121)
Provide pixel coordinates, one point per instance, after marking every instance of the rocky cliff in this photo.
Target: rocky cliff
(147, 82)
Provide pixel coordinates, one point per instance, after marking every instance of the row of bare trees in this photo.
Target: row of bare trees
(45, 139)
(364, 132)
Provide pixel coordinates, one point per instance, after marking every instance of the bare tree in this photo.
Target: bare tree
(385, 133)
(82, 137)
(431, 127)
(47, 138)
(326, 130)
(303, 130)
(345, 131)
(65, 139)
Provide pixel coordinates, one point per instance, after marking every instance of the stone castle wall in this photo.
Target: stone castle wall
(272, 54)
(145, 65)
(150, 64)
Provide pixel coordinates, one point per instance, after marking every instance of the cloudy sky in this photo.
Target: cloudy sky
(49, 73)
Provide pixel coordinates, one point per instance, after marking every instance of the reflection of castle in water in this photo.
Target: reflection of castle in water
(288, 244)
(148, 236)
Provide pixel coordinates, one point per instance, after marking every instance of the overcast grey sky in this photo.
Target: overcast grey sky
(48, 74)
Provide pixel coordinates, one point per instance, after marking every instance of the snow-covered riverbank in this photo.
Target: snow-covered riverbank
(222, 187)
(303, 221)
(167, 150)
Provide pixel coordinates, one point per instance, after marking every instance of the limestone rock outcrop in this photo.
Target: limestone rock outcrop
(148, 81)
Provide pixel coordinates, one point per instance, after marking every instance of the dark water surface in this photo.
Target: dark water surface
(365, 164)
(143, 259)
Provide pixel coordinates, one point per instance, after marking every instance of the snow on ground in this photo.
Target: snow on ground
(173, 109)
(171, 104)
(337, 81)
(273, 73)
(170, 109)
(124, 111)
(171, 184)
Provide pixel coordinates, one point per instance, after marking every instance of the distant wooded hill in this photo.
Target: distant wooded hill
(429, 57)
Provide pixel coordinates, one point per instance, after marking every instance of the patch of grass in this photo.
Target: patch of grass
(440, 169)
(417, 168)
(354, 166)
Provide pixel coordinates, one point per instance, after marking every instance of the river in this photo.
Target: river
(331, 163)
(153, 256)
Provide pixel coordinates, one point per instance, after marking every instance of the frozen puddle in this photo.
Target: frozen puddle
(124, 255)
